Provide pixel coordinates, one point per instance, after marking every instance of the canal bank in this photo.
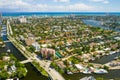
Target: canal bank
(113, 74)
(54, 75)
(106, 59)
(32, 74)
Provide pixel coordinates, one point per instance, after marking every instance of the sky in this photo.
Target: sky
(59, 5)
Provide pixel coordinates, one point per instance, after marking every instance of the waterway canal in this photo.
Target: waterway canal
(32, 74)
(113, 74)
(95, 23)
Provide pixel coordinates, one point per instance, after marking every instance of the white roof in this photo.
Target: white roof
(117, 38)
(79, 66)
(35, 44)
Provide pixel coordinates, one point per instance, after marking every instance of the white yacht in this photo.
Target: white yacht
(88, 78)
(100, 71)
(8, 50)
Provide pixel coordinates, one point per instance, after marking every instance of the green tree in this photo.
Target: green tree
(21, 72)
(4, 74)
(31, 49)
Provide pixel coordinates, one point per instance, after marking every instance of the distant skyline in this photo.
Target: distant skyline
(59, 6)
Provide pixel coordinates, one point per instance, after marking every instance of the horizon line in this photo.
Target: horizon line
(62, 12)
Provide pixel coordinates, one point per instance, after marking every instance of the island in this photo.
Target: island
(10, 67)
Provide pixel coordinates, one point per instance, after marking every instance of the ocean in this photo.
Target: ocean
(16, 14)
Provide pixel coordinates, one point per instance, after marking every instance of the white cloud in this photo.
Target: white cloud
(61, 0)
(103, 1)
(80, 7)
(14, 4)
(74, 7)
(20, 5)
(106, 2)
(97, 0)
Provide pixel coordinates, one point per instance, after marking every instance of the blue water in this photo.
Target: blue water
(14, 14)
(98, 24)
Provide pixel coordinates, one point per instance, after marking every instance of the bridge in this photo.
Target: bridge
(26, 61)
(2, 34)
(6, 41)
(3, 30)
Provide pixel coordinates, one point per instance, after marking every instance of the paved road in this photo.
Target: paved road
(45, 65)
(51, 71)
(26, 61)
(65, 58)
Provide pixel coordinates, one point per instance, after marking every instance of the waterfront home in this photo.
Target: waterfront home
(13, 68)
(6, 58)
(1, 42)
(10, 69)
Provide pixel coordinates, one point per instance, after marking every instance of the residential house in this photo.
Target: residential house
(36, 46)
(6, 58)
(29, 41)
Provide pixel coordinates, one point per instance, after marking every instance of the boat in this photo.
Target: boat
(88, 78)
(93, 59)
(8, 50)
(13, 78)
(101, 71)
(113, 52)
(86, 72)
(69, 72)
(116, 58)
